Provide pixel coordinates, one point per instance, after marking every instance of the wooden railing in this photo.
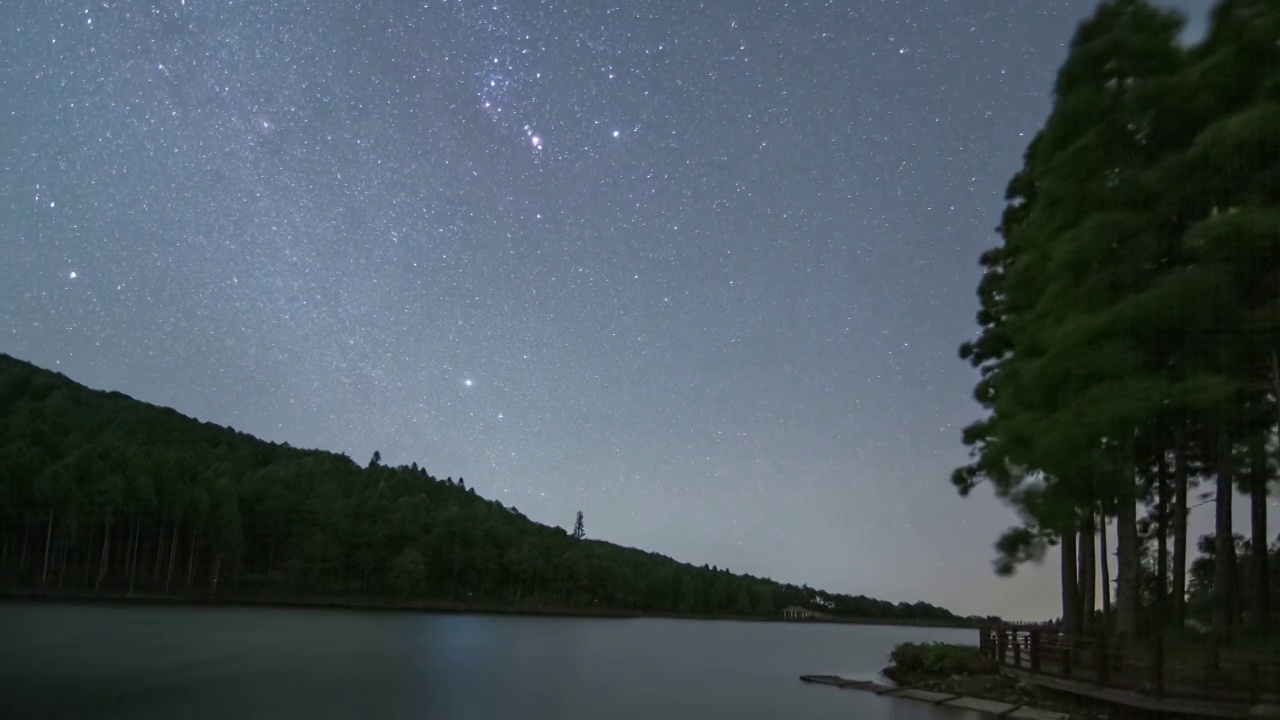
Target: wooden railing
(1188, 668)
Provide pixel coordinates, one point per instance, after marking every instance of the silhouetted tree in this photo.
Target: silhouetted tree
(1130, 315)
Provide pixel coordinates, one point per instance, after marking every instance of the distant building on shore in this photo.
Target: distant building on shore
(795, 612)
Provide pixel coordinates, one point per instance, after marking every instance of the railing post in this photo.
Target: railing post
(1035, 650)
(1017, 649)
(1159, 679)
(1104, 660)
(1255, 684)
(1002, 635)
(1212, 659)
(1275, 668)
(1066, 645)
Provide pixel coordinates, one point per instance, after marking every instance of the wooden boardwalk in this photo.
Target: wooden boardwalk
(1187, 678)
(992, 707)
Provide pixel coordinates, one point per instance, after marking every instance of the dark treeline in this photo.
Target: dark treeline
(104, 494)
(1131, 325)
(1242, 577)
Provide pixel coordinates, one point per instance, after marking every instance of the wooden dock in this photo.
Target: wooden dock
(999, 709)
(1158, 676)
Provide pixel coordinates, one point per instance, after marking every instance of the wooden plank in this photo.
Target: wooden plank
(1129, 698)
(993, 707)
(833, 680)
(843, 683)
(987, 706)
(936, 698)
(1026, 713)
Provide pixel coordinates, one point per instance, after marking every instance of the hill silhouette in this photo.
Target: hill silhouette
(104, 494)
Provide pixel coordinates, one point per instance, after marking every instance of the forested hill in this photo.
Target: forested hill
(102, 493)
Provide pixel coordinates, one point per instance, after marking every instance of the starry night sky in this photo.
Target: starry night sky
(697, 269)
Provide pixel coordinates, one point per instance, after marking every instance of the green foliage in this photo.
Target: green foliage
(196, 509)
(941, 659)
(1132, 312)
(407, 572)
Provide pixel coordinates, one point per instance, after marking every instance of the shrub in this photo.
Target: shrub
(940, 659)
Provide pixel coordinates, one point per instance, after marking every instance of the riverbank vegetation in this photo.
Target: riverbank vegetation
(962, 670)
(103, 495)
(1130, 326)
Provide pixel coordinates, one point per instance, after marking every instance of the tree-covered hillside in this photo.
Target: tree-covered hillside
(102, 493)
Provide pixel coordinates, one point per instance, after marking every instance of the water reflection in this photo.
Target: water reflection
(178, 662)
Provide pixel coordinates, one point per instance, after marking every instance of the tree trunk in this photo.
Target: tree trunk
(1233, 567)
(1179, 573)
(1105, 561)
(62, 565)
(22, 556)
(1260, 604)
(173, 551)
(1162, 543)
(102, 568)
(1275, 382)
(155, 570)
(1127, 561)
(1070, 594)
(88, 552)
(191, 561)
(133, 564)
(1088, 582)
(48, 544)
(1223, 542)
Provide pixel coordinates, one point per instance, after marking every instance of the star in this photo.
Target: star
(320, 225)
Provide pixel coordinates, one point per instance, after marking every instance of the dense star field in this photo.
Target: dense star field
(697, 270)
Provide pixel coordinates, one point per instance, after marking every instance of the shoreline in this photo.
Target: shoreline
(1019, 709)
(997, 688)
(35, 595)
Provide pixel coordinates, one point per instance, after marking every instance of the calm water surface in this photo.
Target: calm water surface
(91, 661)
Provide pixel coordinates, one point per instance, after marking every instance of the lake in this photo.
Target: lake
(102, 661)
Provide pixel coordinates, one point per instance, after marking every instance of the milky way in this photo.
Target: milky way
(697, 269)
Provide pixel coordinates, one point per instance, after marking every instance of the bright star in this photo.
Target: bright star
(616, 133)
(467, 383)
(73, 275)
(536, 141)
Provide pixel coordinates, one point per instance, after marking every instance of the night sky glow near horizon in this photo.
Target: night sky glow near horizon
(697, 269)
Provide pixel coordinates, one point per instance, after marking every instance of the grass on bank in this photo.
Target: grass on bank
(962, 670)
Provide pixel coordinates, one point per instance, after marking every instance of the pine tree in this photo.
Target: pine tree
(1067, 384)
(578, 531)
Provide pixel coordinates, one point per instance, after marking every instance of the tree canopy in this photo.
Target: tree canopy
(1130, 318)
(102, 493)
